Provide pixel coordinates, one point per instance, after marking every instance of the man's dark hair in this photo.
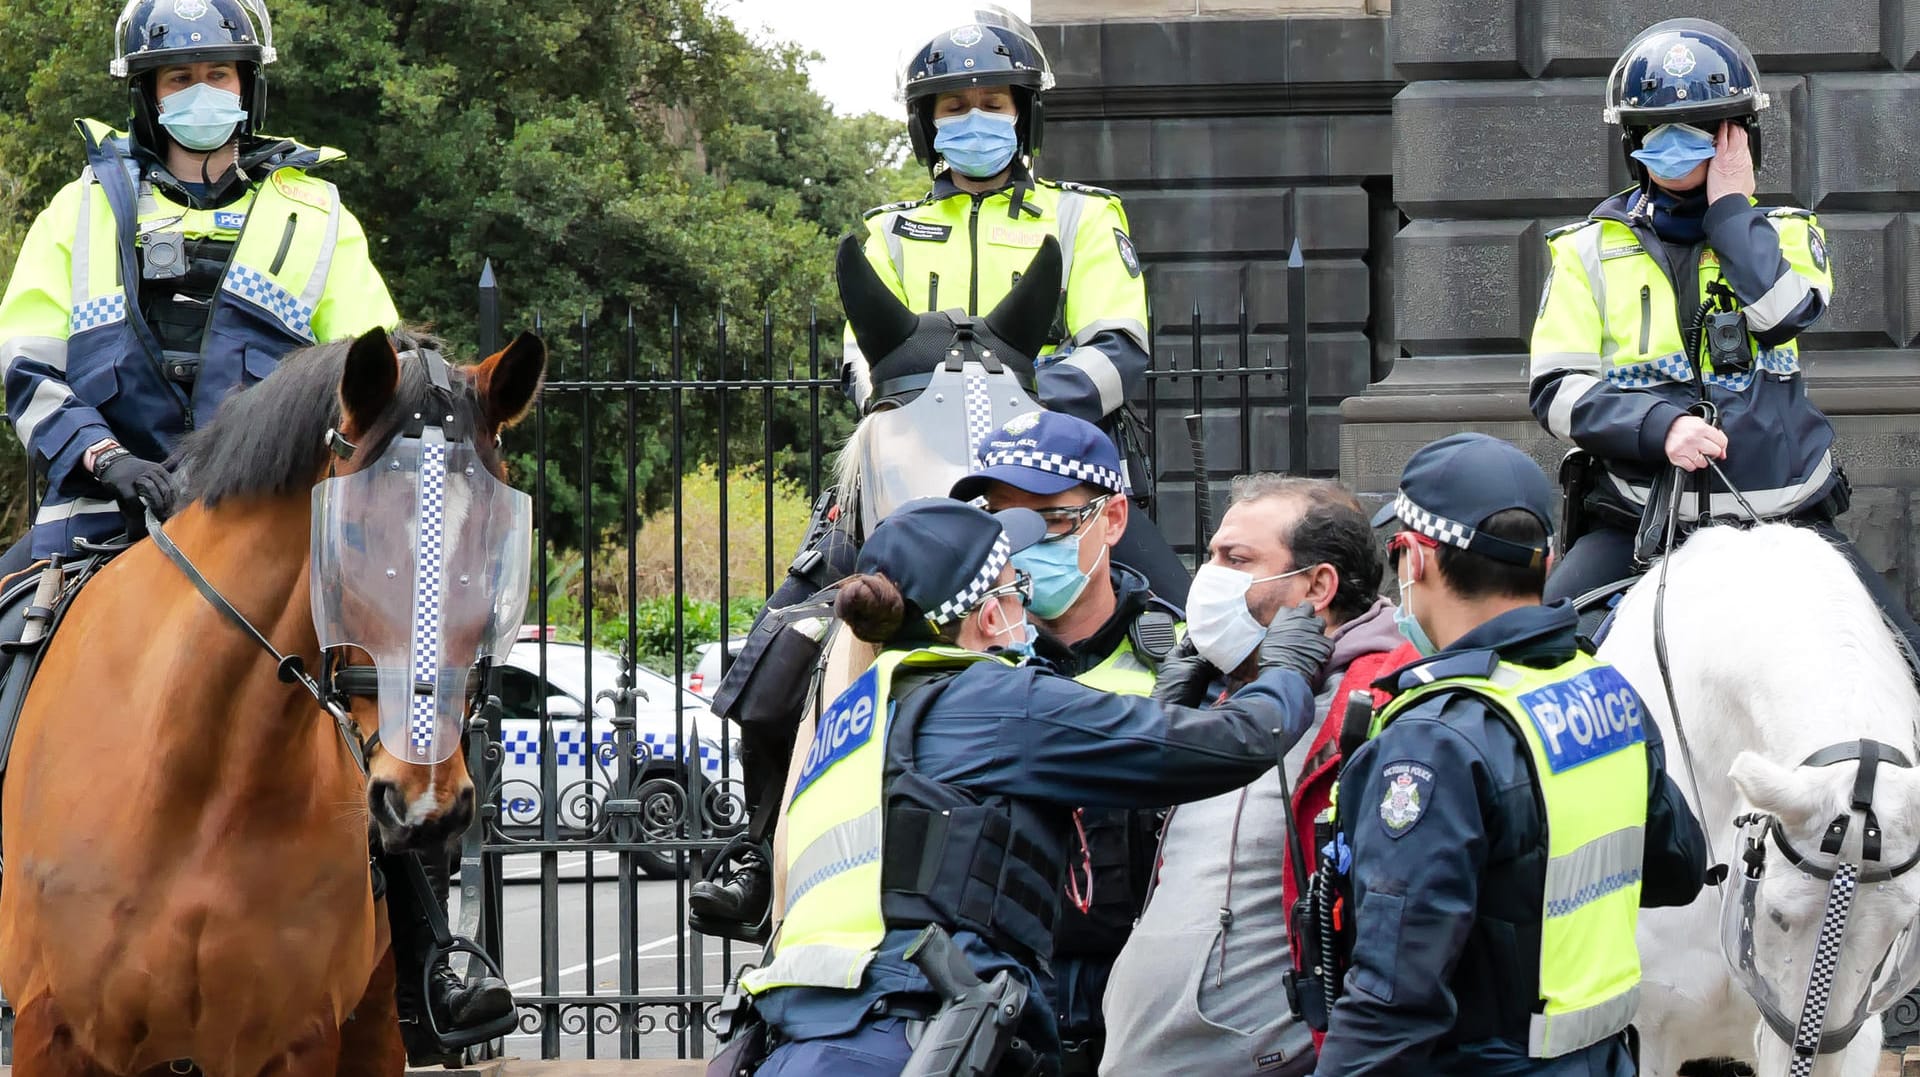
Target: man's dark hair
(1473, 575)
(1333, 531)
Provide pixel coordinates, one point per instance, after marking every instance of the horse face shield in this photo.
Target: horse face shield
(1802, 934)
(421, 560)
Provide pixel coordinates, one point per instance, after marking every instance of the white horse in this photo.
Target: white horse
(1776, 652)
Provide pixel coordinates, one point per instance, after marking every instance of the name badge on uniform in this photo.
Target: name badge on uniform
(1585, 717)
(846, 726)
(1007, 235)
(228, 221)
(908, 228)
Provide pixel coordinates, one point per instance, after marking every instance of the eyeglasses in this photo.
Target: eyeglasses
(1021, 588)
(1065, 522)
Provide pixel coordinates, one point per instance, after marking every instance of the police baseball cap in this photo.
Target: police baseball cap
(944, 554)
(1044, 452)
(1453, 486)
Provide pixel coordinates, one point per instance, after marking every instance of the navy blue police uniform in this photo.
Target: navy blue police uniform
(1449, 884)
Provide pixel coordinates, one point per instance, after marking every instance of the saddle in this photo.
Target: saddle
(32, 606)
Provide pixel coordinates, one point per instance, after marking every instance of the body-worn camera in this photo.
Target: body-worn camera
(164, 256)
(1727, 342)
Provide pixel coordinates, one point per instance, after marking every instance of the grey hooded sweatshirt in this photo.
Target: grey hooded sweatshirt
(1189, 994)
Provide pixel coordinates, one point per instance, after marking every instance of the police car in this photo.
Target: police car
(585, 759)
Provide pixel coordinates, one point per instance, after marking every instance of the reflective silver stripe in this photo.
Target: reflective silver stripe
(47, 351)
(844, 846)
(1553, 1035)
(80, 506)
(813, 965)
(1605, 865)
(1586, 244)
(147, 205)
(47, 398)
(1067, 215)
(1128, 326)
(82, 247)
(1550, 362)
(896, 250)
(1768, 503)
(317, 284)
(1772, 308)
(1567, 392)
(1098, 368)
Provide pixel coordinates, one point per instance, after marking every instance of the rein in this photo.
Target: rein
(291, 668)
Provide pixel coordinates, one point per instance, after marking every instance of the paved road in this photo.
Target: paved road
(586, 951)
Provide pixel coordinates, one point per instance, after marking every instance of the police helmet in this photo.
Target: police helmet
(1687, 71)
(993, 48)
(152, 34)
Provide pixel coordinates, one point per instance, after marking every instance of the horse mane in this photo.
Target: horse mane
(269, 440)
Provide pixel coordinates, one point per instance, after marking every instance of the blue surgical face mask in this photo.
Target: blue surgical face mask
(1057, 579)
(1409, 626)
(202, 117)
(978, 144)
(1672, 150)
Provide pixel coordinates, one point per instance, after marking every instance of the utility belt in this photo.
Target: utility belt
(967, 1028)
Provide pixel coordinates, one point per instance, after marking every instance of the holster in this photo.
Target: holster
(973, 1034)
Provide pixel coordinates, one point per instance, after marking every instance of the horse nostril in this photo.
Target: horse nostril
(389, 801)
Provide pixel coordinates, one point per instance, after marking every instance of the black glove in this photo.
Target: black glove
(1184, 676)
(1296, 640)
(135, 481)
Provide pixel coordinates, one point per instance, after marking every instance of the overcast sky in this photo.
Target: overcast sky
(860, 41)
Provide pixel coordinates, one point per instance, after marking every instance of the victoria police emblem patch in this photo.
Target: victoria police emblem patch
(1409, 791)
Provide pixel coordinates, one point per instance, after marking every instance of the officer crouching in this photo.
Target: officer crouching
(1499, 859)
(940, 788)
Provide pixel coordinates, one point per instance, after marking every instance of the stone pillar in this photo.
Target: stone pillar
(1229, 137)
(1497, 137)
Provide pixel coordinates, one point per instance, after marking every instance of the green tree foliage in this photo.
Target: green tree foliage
(622, 157)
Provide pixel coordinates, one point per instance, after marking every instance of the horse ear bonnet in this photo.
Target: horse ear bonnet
(881, 323)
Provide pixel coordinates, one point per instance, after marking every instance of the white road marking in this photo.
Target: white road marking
(594, 964)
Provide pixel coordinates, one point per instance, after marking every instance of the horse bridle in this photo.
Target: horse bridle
(338, 683)
(1809, 1038)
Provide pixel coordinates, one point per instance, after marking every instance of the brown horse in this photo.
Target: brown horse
(186, 836)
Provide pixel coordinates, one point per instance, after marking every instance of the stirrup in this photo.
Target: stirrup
(463, 1038)
(756, 932)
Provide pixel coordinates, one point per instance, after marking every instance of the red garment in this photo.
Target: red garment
(1314, 791)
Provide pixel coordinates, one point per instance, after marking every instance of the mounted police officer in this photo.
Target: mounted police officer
(1511, 813)
(192, 253)
(940, 790)
(975, 115)
(1666, 335)
(1103, 626)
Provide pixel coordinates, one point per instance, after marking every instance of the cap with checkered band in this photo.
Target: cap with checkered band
(1451, 487)
(944, 554)
(1044, 452)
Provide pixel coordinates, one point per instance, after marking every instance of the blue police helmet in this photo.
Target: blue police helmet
(1687, 71)
(152, 34)
(998, 48)
(944, 554)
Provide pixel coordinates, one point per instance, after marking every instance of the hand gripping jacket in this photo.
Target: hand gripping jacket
(873, 846)
(80, 363)
(1581, 723)
(1611, 370)
(954, 250)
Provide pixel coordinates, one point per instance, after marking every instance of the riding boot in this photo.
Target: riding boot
(733, 902)
(451, 1003)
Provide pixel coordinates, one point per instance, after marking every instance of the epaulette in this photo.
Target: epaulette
(1080, 188)
(1569, 229)
(894, 207)
(1440, 668)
